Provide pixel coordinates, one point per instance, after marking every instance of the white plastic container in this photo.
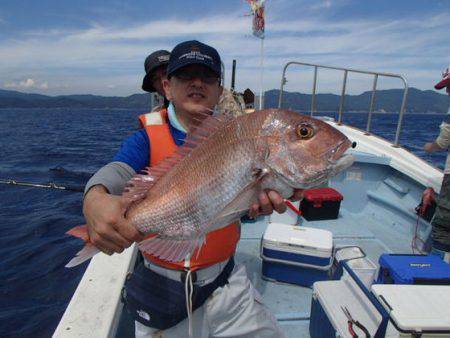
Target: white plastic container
(356, 259)
(349, 252)
(364, 269)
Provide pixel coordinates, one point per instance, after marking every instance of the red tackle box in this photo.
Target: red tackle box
(321, 204)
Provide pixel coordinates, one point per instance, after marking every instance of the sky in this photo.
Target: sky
(59, 47)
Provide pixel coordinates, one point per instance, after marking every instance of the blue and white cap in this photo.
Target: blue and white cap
(194, 52)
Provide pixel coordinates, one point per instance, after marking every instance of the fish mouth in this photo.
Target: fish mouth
(336, 152)
(343, 162)
(333, 168)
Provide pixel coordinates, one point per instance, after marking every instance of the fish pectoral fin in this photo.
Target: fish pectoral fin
(169, 249)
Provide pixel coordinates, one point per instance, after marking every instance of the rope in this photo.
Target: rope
(415, 238)
(189, 289)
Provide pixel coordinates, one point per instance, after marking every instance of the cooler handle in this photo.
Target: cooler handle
(431, 281)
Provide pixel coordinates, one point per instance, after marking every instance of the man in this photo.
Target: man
(441, 220)
(155, 66)
(193, 88)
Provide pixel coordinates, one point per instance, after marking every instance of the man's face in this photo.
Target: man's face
(193, 89)
(158, 76)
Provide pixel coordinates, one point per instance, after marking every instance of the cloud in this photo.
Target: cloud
(321, 5)
(27, 84)
(102, 54)
(223, 24)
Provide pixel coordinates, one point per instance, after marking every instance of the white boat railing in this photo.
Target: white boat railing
(344, 85)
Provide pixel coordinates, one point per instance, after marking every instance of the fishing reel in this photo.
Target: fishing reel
(427, 205)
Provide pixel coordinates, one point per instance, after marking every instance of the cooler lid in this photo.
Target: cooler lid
(415, 269)
(299, 236)
(322, 194)
(416, 307)
(333, 295)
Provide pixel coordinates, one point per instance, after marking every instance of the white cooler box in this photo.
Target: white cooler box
(296, 254)
(415, 310)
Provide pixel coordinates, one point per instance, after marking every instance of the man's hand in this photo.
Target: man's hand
(297, 195)
(271, 200)
(108, 230)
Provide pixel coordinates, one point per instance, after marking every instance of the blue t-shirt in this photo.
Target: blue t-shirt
(134, 151)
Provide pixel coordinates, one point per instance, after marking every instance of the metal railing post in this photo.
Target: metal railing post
(372, 103)
(341, 104)
(342, 98)
(313, 98)
(283, 82)
(400, 116)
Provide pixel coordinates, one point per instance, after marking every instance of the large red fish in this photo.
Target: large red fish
(217, 174)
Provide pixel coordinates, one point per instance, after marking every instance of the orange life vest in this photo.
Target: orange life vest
(221, 243)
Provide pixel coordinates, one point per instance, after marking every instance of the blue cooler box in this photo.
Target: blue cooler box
(413, 269)
(296, 254)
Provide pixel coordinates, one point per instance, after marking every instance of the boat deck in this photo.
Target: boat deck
(374, 216)
(377, 214)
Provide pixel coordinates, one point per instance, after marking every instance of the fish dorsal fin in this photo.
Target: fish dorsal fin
(138, 186)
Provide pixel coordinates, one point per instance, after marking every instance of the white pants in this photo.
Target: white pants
(234, 310)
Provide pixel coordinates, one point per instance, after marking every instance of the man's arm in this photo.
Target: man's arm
(104, 212)
(442, 141)
(431, 147)
(103, 208)
(112, 177)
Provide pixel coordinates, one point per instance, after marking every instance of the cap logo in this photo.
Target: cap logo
(163, 58)
(196, 56)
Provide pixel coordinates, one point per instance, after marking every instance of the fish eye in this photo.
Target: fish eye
(305, 131)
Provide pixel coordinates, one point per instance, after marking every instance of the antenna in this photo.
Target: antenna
(233, 73)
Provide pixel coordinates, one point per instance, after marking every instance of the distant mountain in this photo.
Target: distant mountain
(13, 99)
(390, 100)
(386, 100)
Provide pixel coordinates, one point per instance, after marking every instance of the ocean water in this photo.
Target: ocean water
(66, 147)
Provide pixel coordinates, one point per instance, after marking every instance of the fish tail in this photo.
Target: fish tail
(170, 250)
(88, 251)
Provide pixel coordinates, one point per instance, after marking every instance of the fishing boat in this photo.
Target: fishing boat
(376, 216)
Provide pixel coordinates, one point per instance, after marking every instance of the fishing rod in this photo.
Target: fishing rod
(49, 185)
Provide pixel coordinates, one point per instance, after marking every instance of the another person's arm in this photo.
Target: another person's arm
(442, 142)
